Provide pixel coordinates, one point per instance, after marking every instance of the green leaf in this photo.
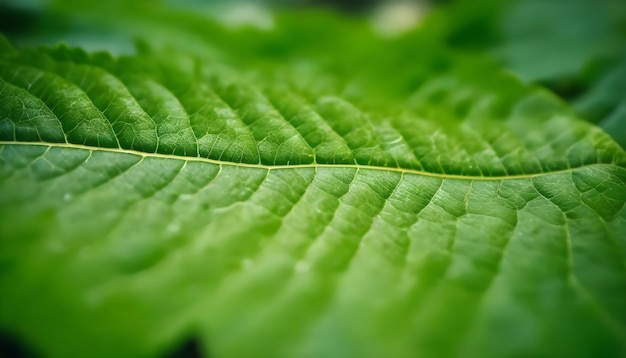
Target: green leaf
(582, 54)
(568, 35)
(605, 104)
(281, 205)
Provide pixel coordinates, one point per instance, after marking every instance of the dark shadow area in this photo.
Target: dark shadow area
(11, 347)
(189, 348)
(569, 88)
(15, 20)
(344, 5)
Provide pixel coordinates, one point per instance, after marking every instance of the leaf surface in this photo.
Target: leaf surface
(289, 211)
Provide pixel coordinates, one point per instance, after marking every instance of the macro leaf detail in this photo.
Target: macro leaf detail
(171, 198)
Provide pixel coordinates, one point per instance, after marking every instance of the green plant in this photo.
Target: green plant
(309, 190)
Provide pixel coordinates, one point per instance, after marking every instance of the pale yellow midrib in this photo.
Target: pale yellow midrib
(293, 166)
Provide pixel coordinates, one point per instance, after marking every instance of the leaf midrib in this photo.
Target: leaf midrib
(302, 166)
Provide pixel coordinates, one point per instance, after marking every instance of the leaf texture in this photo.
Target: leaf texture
(150, 199)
